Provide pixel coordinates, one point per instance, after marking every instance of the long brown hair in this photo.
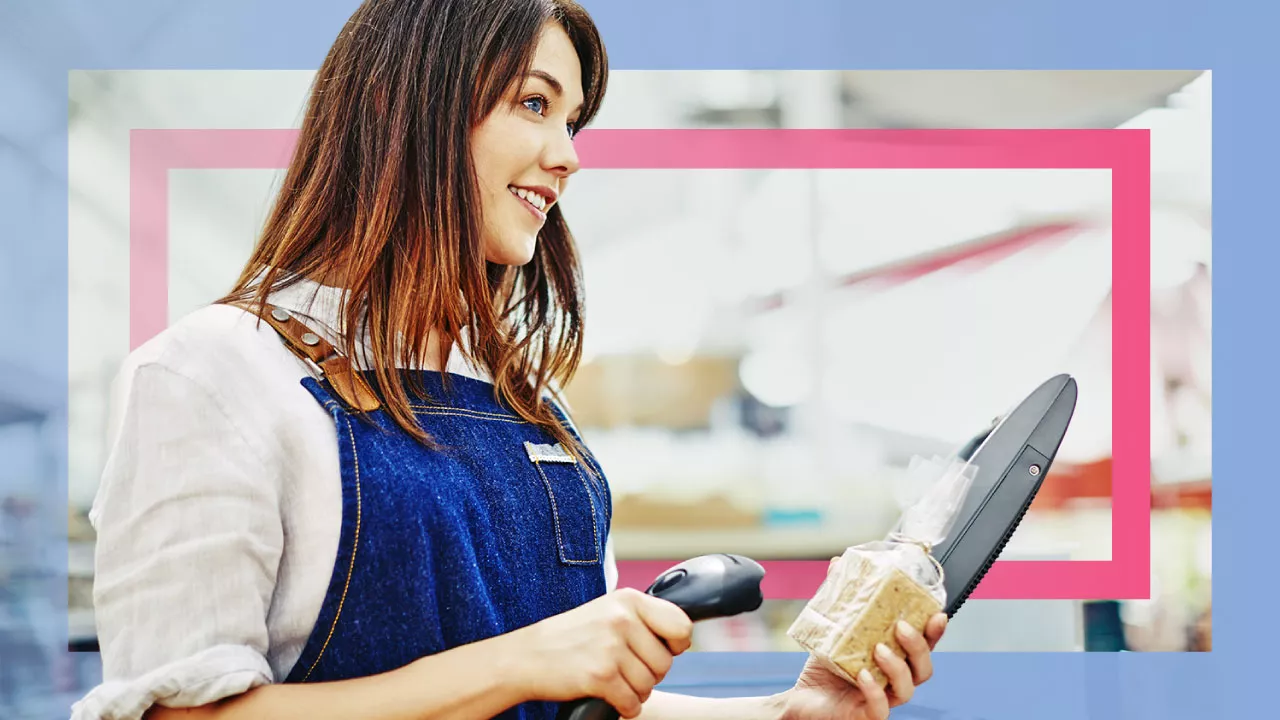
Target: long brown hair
(381, 193)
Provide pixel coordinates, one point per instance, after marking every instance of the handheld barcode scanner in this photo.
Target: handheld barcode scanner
(705, 587)
(1011, 458)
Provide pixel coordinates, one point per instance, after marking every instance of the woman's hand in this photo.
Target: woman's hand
(617, 648)
(819, 693)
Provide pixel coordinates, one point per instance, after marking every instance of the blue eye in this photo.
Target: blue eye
(538, 104)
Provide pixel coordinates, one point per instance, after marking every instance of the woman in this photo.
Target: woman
(346, 489)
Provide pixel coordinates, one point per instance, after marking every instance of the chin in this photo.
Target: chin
(514, 251)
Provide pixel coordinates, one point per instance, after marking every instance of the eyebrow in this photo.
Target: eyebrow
(551, 80)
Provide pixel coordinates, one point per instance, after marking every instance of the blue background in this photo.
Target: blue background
(1235, 681)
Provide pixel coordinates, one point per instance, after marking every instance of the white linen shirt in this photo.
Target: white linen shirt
(219, 510)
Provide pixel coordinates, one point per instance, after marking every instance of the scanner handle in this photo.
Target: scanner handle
(705, 587)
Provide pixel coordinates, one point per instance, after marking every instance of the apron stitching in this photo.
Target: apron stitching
(555, 514)
(354, 547)
(555, 519)
(498, 418)
(478, 414)
(591, 503)
(486, 413)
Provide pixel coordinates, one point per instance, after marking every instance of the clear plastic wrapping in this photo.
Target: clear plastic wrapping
(874, 585)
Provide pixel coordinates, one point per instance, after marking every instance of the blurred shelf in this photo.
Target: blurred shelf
(80, 625)
(761, 543)
(1184, 495)
(80, 559)
(1179, 482)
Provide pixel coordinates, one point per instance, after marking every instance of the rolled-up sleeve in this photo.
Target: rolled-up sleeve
(189, 538)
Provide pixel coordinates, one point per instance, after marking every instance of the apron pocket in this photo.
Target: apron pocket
(573, 505)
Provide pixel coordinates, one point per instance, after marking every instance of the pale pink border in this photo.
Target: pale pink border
(1125, 152)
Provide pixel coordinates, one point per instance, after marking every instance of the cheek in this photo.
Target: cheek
(485, 167)
(486, 149)
(492, 179)
(514, 154)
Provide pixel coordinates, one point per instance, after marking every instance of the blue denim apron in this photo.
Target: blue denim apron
(441, 548)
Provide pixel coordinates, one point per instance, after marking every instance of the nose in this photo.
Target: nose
(560, 156)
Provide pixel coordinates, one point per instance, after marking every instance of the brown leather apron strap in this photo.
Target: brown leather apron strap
(311, 347)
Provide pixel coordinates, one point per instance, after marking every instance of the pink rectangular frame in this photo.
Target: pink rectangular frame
(1126, 153)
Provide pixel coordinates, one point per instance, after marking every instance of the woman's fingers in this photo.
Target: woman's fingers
(898, 672)
(877, 700)
(933, 631)
(623, 698)
(917, 649)
(651, 650)
(666, 620)
(638, 676)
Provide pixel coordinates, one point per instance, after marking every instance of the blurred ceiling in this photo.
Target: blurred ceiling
(924, 99)
(1009, 99)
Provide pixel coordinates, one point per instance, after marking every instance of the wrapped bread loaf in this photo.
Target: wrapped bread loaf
(857, 608)
(874, 585)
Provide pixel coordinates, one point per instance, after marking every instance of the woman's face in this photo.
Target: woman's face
(523, 151)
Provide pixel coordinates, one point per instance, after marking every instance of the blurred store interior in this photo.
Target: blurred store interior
(766, 350)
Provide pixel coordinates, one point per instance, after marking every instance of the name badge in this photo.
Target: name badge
(548, 453)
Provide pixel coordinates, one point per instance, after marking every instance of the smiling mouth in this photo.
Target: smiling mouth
(532, 200)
